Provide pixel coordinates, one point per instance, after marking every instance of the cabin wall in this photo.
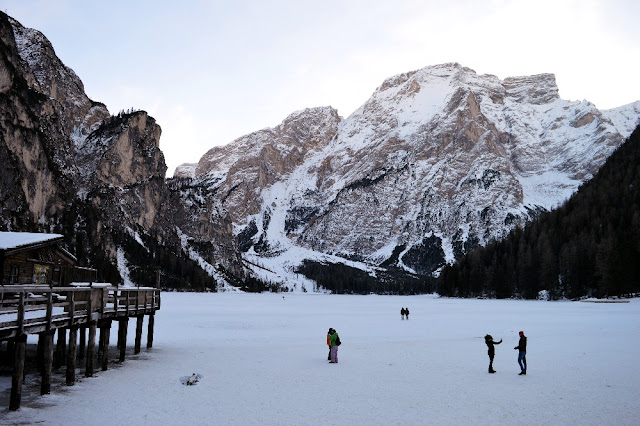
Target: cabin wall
(45, 265)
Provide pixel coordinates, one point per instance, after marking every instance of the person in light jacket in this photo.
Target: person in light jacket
(522, 354)
(333, 341)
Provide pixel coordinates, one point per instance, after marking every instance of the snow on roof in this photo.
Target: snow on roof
(12, 240)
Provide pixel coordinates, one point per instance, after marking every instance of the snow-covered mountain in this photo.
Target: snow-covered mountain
(435, 162)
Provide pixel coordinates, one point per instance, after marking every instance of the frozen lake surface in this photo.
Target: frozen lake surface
(262, 360)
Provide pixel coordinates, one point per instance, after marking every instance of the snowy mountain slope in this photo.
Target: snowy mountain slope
(436, 161)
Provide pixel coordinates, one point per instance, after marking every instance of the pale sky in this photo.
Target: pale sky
(212, 71)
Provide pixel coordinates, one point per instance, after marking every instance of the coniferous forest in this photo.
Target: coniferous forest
(590, 246)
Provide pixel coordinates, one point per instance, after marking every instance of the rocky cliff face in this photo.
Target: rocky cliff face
(68, 165)
(435, 162)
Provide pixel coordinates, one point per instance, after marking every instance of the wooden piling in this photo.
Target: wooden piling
(82, 346)
(40, 354)
(61, 348)
(123, 325)
(71, 356)
(150, 331)
(105, 331)
(139, 323)
(101, 342)
(47, 361)
(18, 371)
(91, 349)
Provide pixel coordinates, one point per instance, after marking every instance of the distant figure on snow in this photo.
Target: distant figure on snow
(329, 333)
(406, 312)
(488, 339)
(334, 341)
(403, 312)
(522, 354)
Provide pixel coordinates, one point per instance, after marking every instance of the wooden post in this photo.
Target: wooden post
(83, 342)
(71, 356)
(47, 361)
(103, 355)
(123, 324)
(40, 354)
(61, 348)
(120, 343)
(101, 342)
(18, 372)
(139, 322)
(49, 310)
(91, 344)
(150, 331)
(20, 330)
(91, 349)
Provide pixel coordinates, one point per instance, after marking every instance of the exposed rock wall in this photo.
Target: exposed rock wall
(68, 165)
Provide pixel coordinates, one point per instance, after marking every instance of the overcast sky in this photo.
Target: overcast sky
(212, 71)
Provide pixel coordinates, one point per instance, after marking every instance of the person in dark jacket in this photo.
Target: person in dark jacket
(402, 313)
(329, 333)
(406, 312)
(522, 354)
(488, 339)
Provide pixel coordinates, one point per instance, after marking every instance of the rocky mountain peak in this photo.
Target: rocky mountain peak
(57, 81)
(436, 161)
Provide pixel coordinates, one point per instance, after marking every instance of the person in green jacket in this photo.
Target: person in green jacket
(334, 342)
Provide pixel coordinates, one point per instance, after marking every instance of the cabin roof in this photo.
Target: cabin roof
(17, 240)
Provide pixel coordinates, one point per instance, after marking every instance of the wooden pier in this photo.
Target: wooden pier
(78, 310)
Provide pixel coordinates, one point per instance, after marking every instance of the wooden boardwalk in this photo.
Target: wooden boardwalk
(78, 309)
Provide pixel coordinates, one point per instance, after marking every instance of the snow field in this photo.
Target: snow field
(263, 361)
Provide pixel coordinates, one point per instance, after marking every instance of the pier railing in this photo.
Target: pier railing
(31, 309)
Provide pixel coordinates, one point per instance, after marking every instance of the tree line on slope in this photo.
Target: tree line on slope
(590, 246)
(344, 279)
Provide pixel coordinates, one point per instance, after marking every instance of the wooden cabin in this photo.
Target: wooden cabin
(34, 258)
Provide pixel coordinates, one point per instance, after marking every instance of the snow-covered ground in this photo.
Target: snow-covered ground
(262, 359)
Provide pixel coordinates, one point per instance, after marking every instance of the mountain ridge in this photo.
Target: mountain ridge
(436, 162)
(461, 159)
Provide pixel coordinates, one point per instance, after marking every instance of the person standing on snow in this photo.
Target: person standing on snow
(406, 312)
(334, 341)
(488, 339)
(522, 353)
(329, 333)
(402, 312)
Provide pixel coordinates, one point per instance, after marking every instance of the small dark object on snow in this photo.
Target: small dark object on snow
(191, 380)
